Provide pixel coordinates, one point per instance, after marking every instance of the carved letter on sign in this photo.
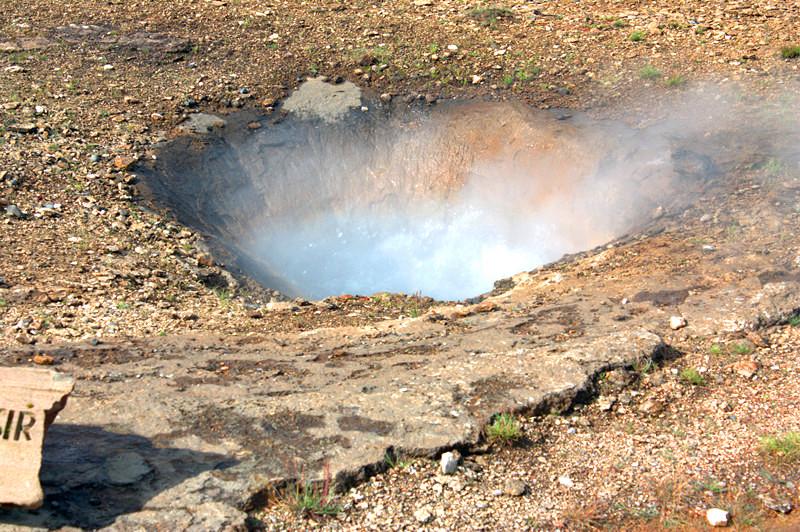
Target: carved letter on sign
(30, 398)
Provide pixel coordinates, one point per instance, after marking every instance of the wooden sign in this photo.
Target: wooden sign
(30, 398)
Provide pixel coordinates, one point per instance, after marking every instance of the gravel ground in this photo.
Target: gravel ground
(86, 89)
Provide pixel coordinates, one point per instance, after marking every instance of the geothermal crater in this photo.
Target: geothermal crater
(441, 200)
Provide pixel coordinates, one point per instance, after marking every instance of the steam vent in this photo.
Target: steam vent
(337, 194)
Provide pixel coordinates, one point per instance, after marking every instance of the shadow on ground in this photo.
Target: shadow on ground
(91, 476)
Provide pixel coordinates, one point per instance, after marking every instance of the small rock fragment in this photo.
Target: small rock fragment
(514, 487)
(757, 339)
(43, 360)
(605, 403)
(717, 517)
(386, 97)
(22, 128)
(123, 163)
(652, 406)
(677, 322)
(620, 377)
(204, 259)
(566, 482)
(449, 463)
(24, 339)
(776, 504)
(485, 306)
(13, 210)
(745, 368)
(423, 515)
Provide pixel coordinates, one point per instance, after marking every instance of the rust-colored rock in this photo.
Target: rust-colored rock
(486, 306)
(205, 259)
(745, 368)
(43, 360)
(124, 163)
(757, 339)
(30, 398)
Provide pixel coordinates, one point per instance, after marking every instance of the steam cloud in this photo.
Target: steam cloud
(513, 206)
(446, 201)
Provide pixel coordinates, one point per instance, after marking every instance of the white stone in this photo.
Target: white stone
(717, 517)
(449, 463)
(566, 482)
(677, 322)
(423, 515)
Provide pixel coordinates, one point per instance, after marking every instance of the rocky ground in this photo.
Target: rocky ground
(88, 88)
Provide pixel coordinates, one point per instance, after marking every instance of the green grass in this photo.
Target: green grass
(636, 36)
(620, 24)
(489, 15)
(505, 429)
(715, 349)
(508, 79)
(785, 446)
(692, 376)
(794, 321)
(773, 166)
(741, 349)
(649, 72)
(674, 81)
(790, 52)
(644, 366)
(312, 499)
(395, 462)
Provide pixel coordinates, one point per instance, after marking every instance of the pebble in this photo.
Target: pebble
(566, 482)
(26, 127)
(386, 97)
(746, 368)
(775, 504)
(124, 163)
(605, 403)
(449, 463)
(43, 360)
(13, 210)
(677, 322)
(423, 515)
(514, 487)
(757, 339)
(717, 517)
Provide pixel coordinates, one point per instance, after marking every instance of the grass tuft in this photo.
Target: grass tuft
(790, 52)
(637, 36)
(489, 15)
(649, 72)
(692, 376)
(505, 429)
(674, 81)
(310, 499)
(786, 445)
